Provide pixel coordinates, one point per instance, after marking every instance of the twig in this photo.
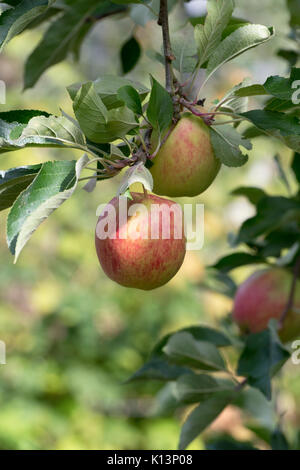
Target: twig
(290, 302)
(163, 21)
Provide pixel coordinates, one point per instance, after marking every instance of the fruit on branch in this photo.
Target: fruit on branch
(185, 164)
(143, 245)
(264, 296)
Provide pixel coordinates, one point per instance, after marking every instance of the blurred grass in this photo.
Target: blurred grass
(73, 337)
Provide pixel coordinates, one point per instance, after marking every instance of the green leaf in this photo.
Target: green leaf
(184, 49)
(279, 441)
(278, 125)
(131, 98)
(272, 212)
(53, 185)
(209, 35)
(202, 333)
(14, 181)
(160, 107)
(14, 20)
(12, 122)
(158, 369)
(89, 110)
(107, 87)
(236, 260)
(281, 89)
(293, 6)
(130, 54)
(261, 359)
(193, 388)
(238, 42)
(52, 130)
(296, 166)
(119, 123)
(226, 142)
(61, 37)
(183, 349)
(39, 131)
(202, 416)
(254, 195)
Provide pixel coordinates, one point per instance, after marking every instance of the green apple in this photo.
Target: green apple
(185, 164)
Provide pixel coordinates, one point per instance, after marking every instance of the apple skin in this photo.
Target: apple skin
(263, 296)
(136, 262)
(185, 165)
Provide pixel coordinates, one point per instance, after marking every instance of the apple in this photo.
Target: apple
(264, 296)
(186, 164)
(144, 248)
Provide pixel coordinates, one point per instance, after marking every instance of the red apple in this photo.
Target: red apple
(185, 164)
(264, 296)
(146, 249)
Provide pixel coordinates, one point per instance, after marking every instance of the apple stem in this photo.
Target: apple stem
(163, 21)
(290, 302)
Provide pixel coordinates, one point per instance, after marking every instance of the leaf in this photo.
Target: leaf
(43, 131)
(14, 181)
(193, 388)
(52, 130)
(202, 416)
(10, 122)
(14, 20)
(279, 441)
(238, 42)
(236, 260)
(296, 166)
(209, 35)
(158, 369)
(278, 125)
(254, 195)
(136, 174)
(184, 49)
(226, 142)
(272, 212)
(53, 185)
(89, 110)
(160, 107)
(131, 98)
(60, 37)
(202, 333)
(261, 359)
(107, 87)
(183, 349)
(130, 54)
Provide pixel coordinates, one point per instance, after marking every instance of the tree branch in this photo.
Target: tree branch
(290, 302)
(163, 21)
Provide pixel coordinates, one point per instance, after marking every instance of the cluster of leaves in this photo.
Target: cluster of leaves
(192, 362)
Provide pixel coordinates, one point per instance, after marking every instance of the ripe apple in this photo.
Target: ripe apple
(264, 296)
(185, 164)
(145, 249)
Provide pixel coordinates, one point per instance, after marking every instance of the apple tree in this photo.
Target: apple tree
(121, 124)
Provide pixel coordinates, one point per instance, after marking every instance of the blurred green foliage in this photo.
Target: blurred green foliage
(73, 337)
